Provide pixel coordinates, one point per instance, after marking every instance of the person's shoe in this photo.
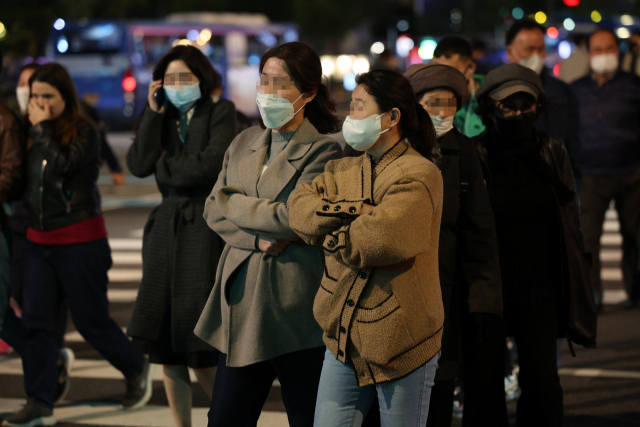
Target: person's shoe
(139, 388)
(32, 414)
(65, 363)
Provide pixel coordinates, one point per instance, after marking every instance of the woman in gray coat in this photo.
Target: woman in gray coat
(181, 141)
(259, 314)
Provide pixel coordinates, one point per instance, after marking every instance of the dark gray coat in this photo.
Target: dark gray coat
(180, 252)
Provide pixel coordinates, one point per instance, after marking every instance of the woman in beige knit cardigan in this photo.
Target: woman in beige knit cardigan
(377, 218)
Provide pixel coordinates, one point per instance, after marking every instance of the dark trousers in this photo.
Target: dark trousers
(10, 325)
(596, 194)
(535, 329)
(483, 348)
(441, 404)
(240, 393)
(79, 274)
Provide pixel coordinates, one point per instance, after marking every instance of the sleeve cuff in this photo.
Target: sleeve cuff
(340, 209)
(335, 241)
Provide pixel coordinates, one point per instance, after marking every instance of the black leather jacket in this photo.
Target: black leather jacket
(61, 178)
(579, 316)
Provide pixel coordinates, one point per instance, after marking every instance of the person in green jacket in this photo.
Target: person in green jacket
(457, 53)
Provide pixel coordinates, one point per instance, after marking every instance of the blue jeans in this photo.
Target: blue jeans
(403, 402)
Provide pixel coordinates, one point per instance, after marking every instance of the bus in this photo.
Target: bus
(111, 62)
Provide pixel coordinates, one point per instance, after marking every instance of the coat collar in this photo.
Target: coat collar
(369, 172)
(451, 140)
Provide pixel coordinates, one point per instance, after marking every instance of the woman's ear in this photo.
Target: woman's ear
(395, 117)
(308, 97)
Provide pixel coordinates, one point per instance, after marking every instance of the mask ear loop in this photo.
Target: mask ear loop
(393, 115)
(297, 101)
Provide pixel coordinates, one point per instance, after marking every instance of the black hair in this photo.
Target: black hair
(304, 67)
(486, 108)
(479, 45)
(523, 24)
(197, 62)
(602, 30)
(393, 90)
(449, 46)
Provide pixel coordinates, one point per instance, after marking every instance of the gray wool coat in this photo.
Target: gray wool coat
(261, 307)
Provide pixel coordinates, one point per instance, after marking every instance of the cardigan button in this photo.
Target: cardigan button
(331, 244)
(340, 353)
(325, 208)
(362, 275)
(364, 375)
(350, 303)
(343, 330)
(337, 208)
(352, 209)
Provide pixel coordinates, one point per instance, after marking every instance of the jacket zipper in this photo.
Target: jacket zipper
(44, 165)
(60, 185)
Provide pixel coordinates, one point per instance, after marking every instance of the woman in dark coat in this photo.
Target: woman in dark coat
(182, 141)
(544, 268)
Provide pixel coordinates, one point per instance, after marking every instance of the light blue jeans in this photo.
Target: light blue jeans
(403, 402)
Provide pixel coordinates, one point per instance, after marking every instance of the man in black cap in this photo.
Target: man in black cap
(525, 46)
(468, 252)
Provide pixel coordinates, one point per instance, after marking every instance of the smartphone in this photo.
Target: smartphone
(159, 96)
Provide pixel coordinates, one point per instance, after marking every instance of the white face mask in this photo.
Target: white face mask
(605, 63)
(23, 94)
(275, 111)
(535, 62)
(442, 124)
(362, 134)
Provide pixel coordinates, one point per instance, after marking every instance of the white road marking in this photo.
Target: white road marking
(126, 258)
(122, 295)
(611, 239)
(602, 373)
(611, 274)
(611, 226)
(614, 296)
(125, 244)
(610, 255)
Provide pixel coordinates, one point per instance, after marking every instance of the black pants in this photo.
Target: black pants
(595, 196)
(535, 328)
(240, 393)
(483, 346)
(79, 274)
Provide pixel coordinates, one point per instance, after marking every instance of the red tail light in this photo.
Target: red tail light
(129, 82)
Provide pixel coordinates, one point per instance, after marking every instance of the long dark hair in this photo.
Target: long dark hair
(196, 62)
(305, 69)
(392, 90)
(66, 126)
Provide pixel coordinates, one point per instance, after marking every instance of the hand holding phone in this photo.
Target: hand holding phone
(156, 96)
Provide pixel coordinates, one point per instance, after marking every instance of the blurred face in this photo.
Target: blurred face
(465, 65)
(526, 44)
(274, 80)
(602, 43)
(178, 74)
(45, 94)
(23, 80)
(441, 103)
(364, 105)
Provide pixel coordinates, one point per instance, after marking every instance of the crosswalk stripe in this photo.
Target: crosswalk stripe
(611, 239)
(125, 275)
(613, 274)
(126, 258)
(610, 226)
(122, 295)
(614, 296)
(125, 244)
(608, 255)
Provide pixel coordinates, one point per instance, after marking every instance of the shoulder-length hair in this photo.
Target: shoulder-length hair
(304, 67)
(66, 126)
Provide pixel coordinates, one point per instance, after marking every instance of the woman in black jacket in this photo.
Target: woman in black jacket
(67, 254)
(182, 141)
(546, 288)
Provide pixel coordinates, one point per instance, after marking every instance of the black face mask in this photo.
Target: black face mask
(516, 128)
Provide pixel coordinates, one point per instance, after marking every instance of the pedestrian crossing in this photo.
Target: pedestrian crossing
(103, 381)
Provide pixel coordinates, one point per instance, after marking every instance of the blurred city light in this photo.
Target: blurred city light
(404, 44)
(572, 3)
(564, 49)
(503, 12)
(402, 25)
(328, 65)
(267, 39)
(595, 16)
(517, 13)
(3, 30)
(183, 42)
(377, 48)
(193, 35)
(360, 66)
(349, 81)
(290, 36)
(623, 33)
(556, 70)
(569, 24)
(129, 84)
(253, 60)
(63, 44)
(552, 32)
(59, 24)
(427, 47)
(626, 20)
(205, 35)
(541, 17)
(344, 63)
(456, 16)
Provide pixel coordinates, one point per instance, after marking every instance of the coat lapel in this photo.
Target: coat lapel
(197, 124)
(288, 163)
(251, 165)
